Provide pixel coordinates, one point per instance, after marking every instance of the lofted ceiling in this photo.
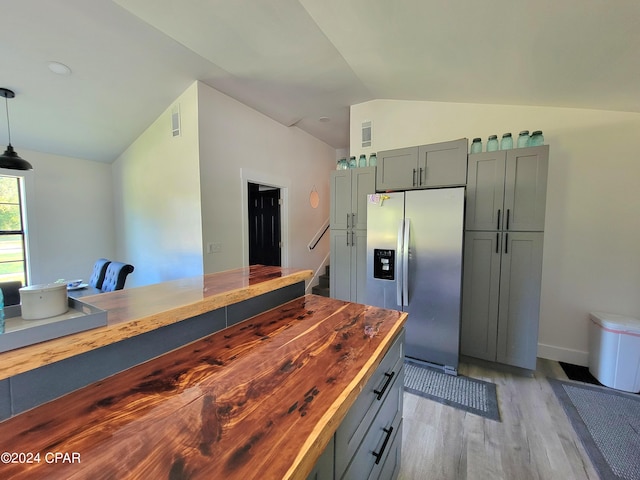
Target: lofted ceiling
(301, 62)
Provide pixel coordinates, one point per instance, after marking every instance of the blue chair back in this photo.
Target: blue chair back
(99, 271)
(115, 276)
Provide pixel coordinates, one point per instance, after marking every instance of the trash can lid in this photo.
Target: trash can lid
(618, 323)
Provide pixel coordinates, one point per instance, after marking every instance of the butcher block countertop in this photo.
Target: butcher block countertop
(260, 399)
(134, 311)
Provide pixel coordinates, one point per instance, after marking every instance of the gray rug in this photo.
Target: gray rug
(468, 394)
(608, 424)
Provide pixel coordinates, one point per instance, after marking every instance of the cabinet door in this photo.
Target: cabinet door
(443, 164)
(397, 169)
(363, 182)
(485, 191)
(526, 188)
(323, 469)
(340, 199)
(480, 290)
(359, 266)
(521, 272)
(340, 271)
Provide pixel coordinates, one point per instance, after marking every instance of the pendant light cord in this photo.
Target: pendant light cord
(6, 105)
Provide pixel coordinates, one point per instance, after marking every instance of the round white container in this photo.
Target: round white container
(614, 350)
(43, 301)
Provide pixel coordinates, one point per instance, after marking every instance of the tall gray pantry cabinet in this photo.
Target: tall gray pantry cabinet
(504, 231)
(348, 223)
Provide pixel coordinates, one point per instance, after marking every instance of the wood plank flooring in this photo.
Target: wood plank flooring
(534, 441)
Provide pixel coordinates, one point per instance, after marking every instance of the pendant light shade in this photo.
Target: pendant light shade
(10, 159)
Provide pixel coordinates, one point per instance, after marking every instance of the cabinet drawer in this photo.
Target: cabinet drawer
(372, 453)
(355, 424)
(391, 468)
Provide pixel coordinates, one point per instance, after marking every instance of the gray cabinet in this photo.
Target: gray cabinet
(427, 166)
(349, 190)
(348, 271)
(506, 200)
(348, 223)
(501, 297)
(507, 189)
(368, 443)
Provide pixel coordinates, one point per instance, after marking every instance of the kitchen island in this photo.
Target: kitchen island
(142, 323)
(260, 399)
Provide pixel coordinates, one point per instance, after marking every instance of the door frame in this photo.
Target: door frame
(284, 184)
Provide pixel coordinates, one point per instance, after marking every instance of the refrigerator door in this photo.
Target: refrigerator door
(435, 219)
(384, 245)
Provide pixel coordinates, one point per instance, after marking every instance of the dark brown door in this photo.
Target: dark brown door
(264, 225)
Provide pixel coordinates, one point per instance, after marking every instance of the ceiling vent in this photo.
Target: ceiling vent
(366, 134)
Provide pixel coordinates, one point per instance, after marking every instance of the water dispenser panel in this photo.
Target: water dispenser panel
(384, 264)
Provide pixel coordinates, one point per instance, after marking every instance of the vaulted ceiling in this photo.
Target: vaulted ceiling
(301, 62)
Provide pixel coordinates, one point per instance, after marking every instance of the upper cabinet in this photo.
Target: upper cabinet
(507, 189)
(428, 166)
(349, 190)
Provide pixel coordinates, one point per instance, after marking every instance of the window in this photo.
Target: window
(13, 255)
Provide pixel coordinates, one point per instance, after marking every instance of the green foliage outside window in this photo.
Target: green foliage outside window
(12, 254)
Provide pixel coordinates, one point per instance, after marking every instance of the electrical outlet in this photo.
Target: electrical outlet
(214, 247)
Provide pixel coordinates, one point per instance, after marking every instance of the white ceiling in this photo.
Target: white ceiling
(299, 60)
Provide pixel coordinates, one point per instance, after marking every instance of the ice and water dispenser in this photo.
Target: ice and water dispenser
(384, 263)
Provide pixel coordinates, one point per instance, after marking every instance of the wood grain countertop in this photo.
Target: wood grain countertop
(134, 311)
(260, 399)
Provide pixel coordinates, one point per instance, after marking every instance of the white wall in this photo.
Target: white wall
(157, 199)
(70, 215)
(592, 228)
(237, 143)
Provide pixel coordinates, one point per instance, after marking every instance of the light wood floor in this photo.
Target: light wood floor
(535, 439)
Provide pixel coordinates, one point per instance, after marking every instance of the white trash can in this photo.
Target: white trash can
(614, 350)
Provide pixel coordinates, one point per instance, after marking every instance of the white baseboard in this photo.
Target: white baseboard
(567, 355)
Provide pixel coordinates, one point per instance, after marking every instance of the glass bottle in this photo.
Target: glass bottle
(373, 160)
(342, 164)
(507, 142)
(476, 145)
(492, 143)
(536, 139)
(362, 161)
(523, 139)
(352, 162)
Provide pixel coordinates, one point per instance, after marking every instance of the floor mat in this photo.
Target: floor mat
(608, 424)
(469, 394)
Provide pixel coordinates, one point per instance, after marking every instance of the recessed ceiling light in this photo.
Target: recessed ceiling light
(324, 119)
(59, 68)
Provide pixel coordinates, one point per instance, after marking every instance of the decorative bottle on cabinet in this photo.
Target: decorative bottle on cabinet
(492, 143)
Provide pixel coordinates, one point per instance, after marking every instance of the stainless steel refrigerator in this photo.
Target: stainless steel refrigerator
(414, 264)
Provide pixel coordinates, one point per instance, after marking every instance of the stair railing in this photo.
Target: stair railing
(316, 239)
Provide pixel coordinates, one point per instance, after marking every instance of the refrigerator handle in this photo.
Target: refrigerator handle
(405, 263)
(400, 266)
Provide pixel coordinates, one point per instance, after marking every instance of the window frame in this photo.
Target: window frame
(26, 193)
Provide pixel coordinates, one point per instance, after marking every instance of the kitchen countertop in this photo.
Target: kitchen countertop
(260, 399)
(135, 311)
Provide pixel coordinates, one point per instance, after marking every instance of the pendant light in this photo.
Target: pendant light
(10, 159)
